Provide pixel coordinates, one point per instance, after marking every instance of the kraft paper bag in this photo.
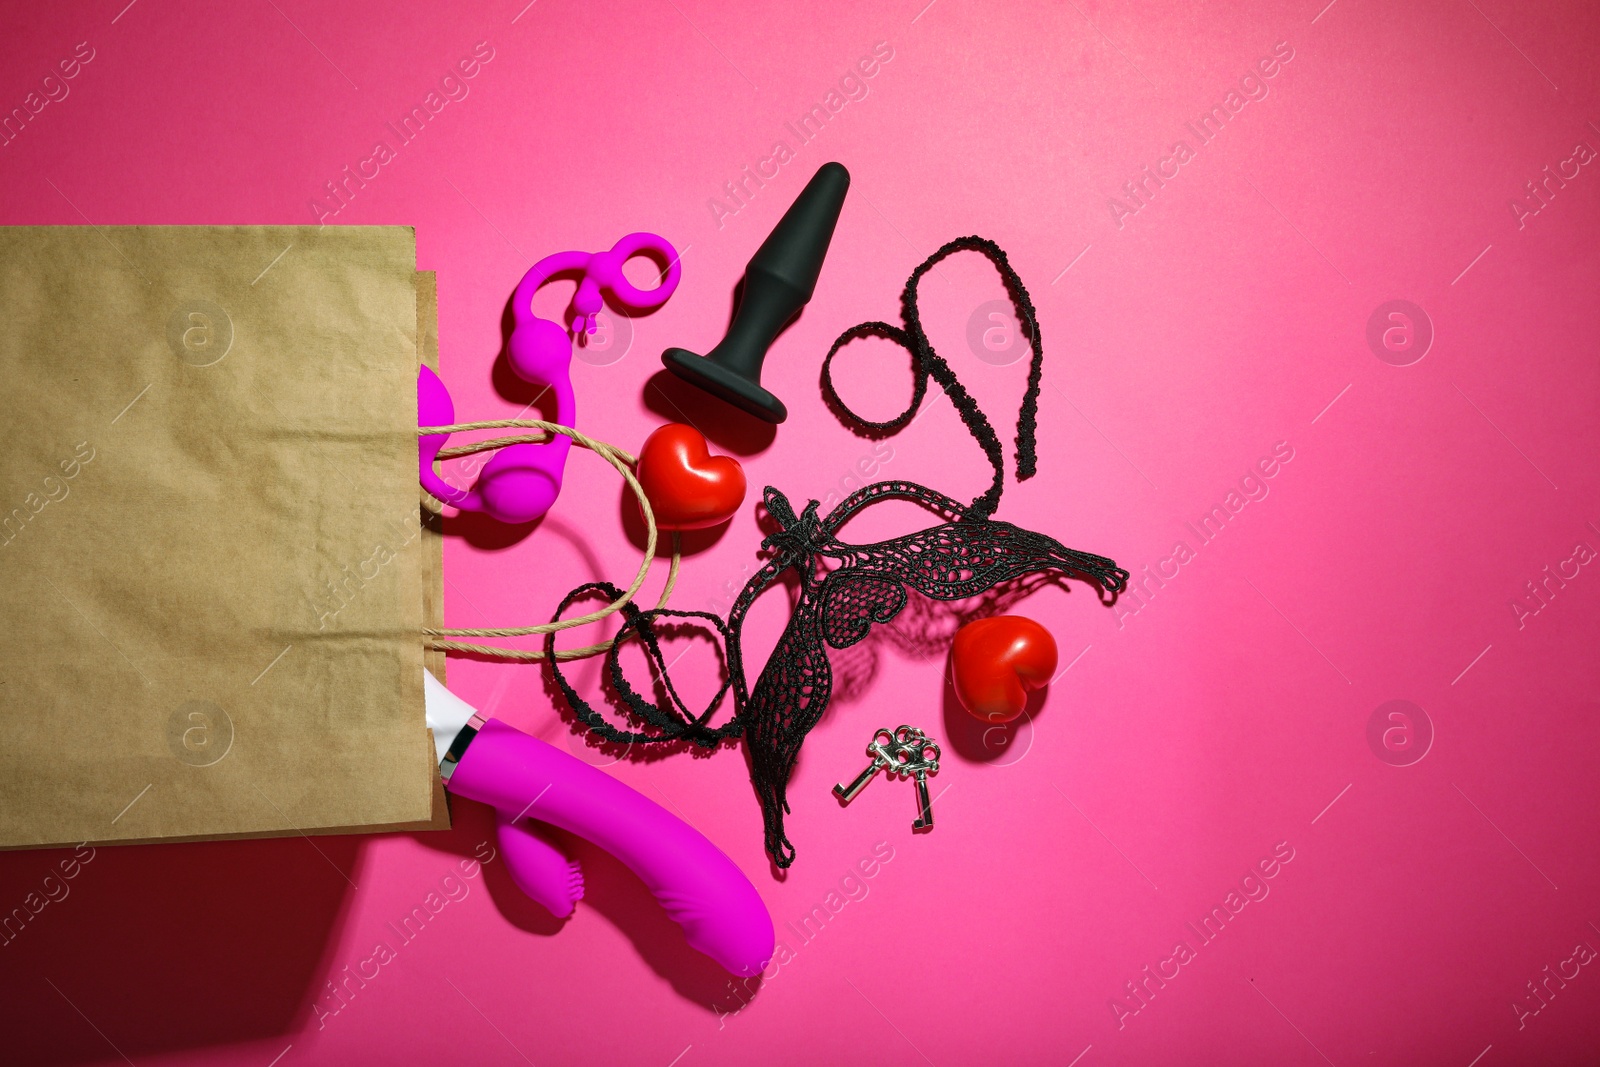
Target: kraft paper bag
(432, 531)
(433, 526)
(213, 568)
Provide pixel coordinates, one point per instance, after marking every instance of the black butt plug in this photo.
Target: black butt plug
(779, 281)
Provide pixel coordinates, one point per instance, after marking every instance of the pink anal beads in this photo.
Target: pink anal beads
(517, 486)
(521, 483)
(540, 350)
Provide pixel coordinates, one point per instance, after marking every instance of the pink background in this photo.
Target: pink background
(1226, 715)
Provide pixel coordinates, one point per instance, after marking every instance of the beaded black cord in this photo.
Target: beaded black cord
(967, 555)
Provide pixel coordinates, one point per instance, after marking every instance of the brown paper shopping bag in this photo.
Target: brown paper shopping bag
(211, 570)
(433, 526)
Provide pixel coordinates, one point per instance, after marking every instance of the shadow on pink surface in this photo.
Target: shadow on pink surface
(724, 425)
(692, 542)
(609, 888)
(995, 743)
(169, 947)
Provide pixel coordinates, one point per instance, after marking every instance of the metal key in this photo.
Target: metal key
(879, 752)
(906, 752)
(923, 761)
(925, 819)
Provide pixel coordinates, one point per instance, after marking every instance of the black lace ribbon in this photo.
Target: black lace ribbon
(966, 555)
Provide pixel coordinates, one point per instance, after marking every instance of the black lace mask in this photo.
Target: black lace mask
(844, 588)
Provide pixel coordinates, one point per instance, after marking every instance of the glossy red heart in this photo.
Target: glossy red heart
(688, 487)
(996, 661)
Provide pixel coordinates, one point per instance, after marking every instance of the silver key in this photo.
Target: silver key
(925, 819)
(923, 760)
(880, 759)
(905, 752)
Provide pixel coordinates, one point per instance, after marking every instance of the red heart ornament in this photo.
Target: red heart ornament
(688, 488)
(996, 661)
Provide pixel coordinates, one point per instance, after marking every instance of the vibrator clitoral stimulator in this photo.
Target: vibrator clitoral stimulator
(524, 778)
(522, 481)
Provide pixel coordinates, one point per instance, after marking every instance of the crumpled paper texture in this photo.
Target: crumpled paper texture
(213, 571)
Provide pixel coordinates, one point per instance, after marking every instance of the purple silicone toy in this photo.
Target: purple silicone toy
(524, 778)
(522, 481)
(518, 485)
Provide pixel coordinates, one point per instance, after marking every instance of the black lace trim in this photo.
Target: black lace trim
(926, 361)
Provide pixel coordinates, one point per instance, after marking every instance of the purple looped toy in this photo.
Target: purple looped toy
(522, 481)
